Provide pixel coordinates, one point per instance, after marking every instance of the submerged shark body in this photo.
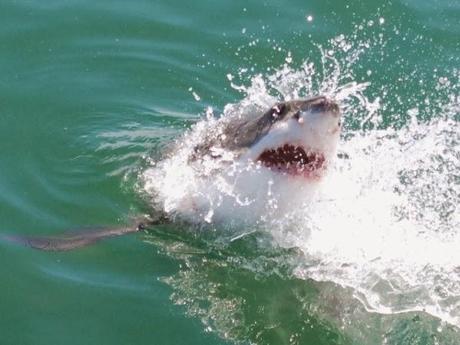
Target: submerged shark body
(240, 169)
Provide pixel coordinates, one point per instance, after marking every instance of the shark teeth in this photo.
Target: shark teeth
(293, 160)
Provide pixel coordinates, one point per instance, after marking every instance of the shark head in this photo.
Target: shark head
(250, 167)
(296, 138)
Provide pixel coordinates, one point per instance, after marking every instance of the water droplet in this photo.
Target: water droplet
(413, 112)
(443, 81)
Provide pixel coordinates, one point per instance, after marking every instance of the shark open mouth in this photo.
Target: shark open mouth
(293, 160)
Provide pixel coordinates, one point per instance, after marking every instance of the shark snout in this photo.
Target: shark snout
(325, 105)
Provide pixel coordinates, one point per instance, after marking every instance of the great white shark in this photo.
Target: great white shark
(289, 148)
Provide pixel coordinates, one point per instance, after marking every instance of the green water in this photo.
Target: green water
(88, 89)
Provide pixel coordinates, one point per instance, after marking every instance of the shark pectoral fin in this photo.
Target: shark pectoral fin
(59, 243)
(73, 240)
(76, 239)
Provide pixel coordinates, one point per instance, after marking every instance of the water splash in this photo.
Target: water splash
(386, 224)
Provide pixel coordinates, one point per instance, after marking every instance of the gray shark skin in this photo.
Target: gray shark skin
(75, 239)
(240, 136)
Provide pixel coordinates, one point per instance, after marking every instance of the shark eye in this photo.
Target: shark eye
(278, 110)
(296, 115)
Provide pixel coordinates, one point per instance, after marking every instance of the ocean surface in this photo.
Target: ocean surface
(93, 93)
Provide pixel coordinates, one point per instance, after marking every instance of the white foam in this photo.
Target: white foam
(385, 222)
